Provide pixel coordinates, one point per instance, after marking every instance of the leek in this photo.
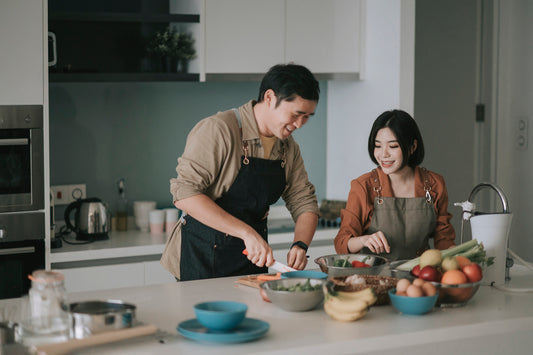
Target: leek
(460, 249)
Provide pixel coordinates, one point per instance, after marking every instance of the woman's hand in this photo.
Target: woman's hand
(297, 258)
(376, 242)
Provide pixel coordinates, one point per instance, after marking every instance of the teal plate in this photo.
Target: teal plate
(249, 329)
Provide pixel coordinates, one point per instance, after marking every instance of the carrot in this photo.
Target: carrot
(269, 277)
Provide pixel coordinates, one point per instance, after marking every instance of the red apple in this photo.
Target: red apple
(415, 271)
(430, 273)
(473, 272)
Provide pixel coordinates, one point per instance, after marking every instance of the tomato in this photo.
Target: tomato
(357, 263)
(416, 271)
(473, 272)
(430, 273)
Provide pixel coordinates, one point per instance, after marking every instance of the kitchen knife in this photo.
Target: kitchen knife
(277, 265)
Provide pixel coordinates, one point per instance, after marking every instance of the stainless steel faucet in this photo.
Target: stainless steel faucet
(505, 203)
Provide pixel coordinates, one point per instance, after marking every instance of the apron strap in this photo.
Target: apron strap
(377, 185)
(427, 186)
(245, 160)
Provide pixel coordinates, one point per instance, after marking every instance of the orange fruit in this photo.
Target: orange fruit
(454, 277)
(462, 260)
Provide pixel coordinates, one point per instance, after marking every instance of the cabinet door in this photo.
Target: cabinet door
(324, 35)
(103, 277)
(22, 54)
(244, 36)
(155, 273)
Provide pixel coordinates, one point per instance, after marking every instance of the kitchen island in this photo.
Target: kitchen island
(493, 322)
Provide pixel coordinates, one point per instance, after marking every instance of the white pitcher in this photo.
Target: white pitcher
(492, 229)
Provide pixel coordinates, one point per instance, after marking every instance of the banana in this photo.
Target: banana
(347, 305)
(368, 295)
(343, 316)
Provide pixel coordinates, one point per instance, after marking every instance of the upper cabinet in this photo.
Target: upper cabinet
(103, 40)
(246, 37)
(243, 36)
(22, 61)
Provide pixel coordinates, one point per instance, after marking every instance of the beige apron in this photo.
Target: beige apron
(407, 223)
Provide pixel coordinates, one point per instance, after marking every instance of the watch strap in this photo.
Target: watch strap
(301, 245)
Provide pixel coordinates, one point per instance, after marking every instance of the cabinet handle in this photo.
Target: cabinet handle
(14, 141)
(13, 251)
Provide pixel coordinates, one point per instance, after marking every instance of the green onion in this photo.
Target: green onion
(456, 250)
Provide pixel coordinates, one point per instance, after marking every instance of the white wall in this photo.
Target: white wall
(387, 84)
(513, 168)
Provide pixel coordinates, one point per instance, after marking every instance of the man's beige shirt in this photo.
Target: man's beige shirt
(212, 159)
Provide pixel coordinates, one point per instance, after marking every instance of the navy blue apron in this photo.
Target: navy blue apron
(208, 253)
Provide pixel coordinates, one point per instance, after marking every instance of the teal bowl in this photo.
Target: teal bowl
(220, 315)
(307, 274)
(413, 305)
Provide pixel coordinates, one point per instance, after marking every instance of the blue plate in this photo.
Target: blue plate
(249, 329)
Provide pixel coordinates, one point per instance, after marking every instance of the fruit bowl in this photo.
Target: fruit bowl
(295, 294)
(412, 305)
(328, 264)
(456, 295)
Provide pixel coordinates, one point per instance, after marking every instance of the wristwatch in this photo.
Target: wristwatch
(301, 245)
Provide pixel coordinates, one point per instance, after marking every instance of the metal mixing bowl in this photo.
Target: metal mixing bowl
(294, 301)
(327, 264)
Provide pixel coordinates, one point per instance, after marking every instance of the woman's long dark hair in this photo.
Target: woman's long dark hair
(406, 131)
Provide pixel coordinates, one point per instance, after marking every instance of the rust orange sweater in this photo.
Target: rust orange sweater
(356, 217)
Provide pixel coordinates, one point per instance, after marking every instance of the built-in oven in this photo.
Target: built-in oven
(21, 158)
(21, 251)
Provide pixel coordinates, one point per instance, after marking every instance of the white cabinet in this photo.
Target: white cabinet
(103, 277)
(115, 276)
(22, 52)
(243, 36)
(155, 273)
(249, 36)
(324, 35)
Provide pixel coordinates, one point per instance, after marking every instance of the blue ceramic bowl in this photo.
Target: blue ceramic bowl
(220, 315)
(308, 274)
(412, 305)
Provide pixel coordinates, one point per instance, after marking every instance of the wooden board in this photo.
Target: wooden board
(251, 280)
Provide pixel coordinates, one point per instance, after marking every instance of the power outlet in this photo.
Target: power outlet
(65, 194)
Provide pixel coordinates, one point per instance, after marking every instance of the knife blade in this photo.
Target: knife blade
(277, 265)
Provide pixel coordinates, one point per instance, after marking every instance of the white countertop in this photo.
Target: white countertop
(134, 243)
(493, 322)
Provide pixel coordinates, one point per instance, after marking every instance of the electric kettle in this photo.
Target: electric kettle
(92, 219)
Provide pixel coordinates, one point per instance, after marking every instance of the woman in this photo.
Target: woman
(396, 208)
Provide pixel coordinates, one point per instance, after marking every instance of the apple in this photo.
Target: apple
(430, 273)
(415, 271)
(473, 272)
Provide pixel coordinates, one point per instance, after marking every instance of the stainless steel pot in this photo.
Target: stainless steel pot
(92, 317)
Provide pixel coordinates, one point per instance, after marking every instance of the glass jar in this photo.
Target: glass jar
(44, 312)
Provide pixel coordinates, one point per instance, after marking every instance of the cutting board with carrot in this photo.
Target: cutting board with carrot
(256, 280)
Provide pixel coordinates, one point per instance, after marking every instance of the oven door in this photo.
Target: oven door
(21, 159)
(17, 261)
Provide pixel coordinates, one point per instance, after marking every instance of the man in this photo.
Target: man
(235, 165)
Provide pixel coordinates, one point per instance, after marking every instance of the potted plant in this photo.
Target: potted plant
(171, 48)
(184, 50)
